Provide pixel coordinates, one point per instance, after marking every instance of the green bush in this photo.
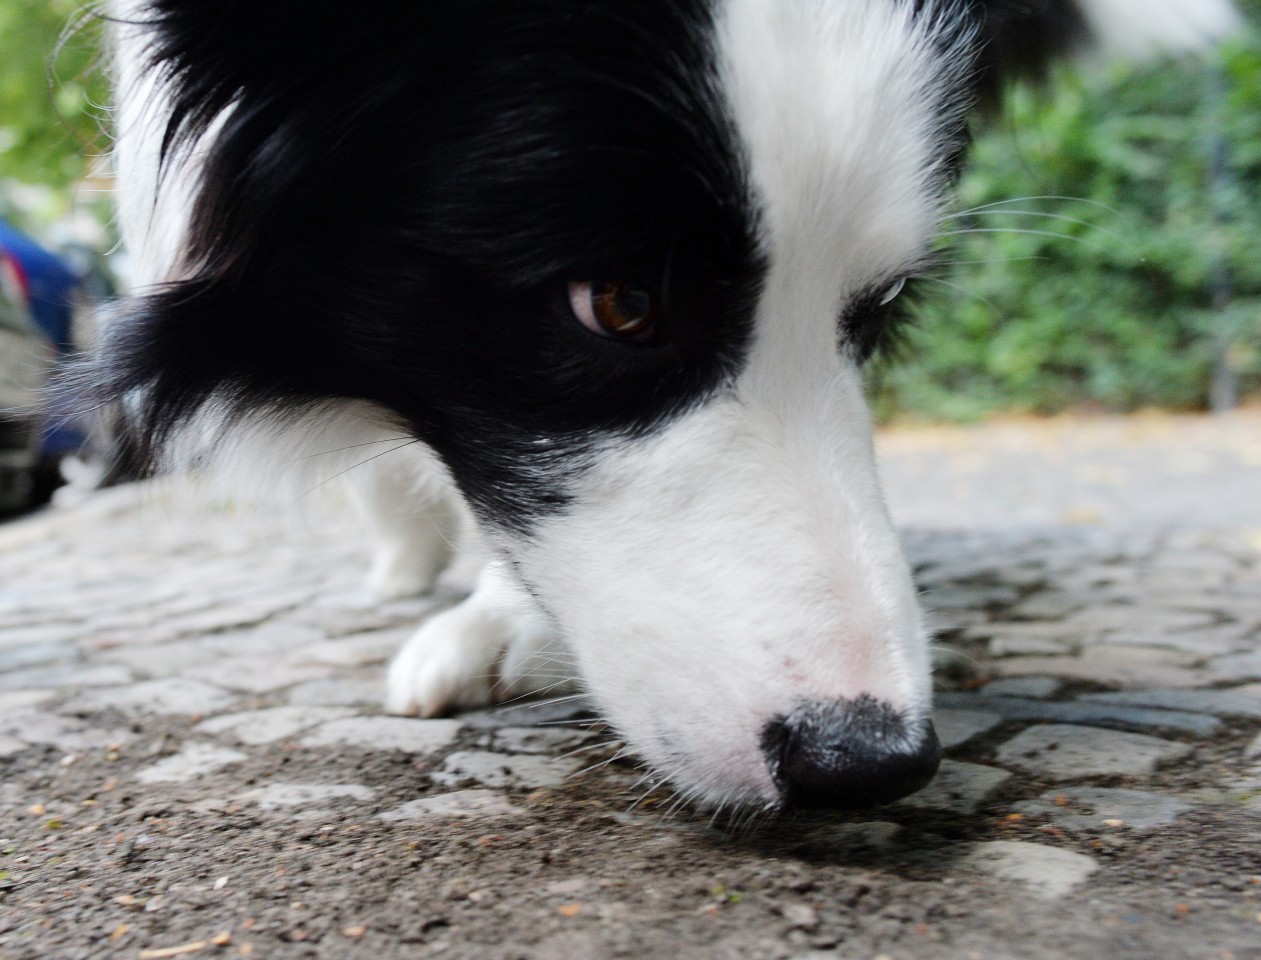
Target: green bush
(1105, 301)
(50, 96)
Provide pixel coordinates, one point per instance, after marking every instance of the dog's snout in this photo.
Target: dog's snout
(848, 754)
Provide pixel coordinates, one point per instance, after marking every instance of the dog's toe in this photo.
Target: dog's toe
(492, 647)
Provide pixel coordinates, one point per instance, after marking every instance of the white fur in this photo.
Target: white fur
(741, 561)
(153, 210)
(494, 646)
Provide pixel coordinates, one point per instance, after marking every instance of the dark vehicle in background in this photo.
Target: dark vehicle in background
(26, 362)
(41, 295)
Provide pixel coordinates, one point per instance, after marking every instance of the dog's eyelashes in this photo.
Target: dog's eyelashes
(891, 294)
(615, 309)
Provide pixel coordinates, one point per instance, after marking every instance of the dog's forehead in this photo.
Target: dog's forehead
(850, 113)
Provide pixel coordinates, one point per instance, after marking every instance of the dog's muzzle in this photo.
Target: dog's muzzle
(849, 754)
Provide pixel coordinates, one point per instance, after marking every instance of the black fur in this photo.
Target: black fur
(401, 194)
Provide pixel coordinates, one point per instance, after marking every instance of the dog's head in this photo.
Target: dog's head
(619, 265)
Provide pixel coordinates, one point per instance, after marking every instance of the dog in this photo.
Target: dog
(608, 271)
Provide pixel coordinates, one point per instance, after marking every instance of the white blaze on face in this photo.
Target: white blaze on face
(741, 560)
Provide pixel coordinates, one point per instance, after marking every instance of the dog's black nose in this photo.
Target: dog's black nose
(849, 754)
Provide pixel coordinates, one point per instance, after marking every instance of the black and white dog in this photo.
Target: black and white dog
(616, 264)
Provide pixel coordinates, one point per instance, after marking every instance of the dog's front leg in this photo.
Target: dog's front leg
(416, 519)
(496, 645)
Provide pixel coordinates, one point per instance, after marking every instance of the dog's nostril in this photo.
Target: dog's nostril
(849, 754)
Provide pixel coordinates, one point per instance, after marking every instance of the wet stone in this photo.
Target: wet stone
(1084, 808)
(385, 733)
(959, 787)
(1063, 752)
(460, 804)
(1047, 872)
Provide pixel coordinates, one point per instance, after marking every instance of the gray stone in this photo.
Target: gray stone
(9, 746)
(1037, 688)
(1047, 872)
(34, 654)
(1117, 666)
(959, 787)
(874, 834)
(160, 659)
(69, 675)
(1135, 619)
(1047, 605)
(1253, 750)
(258, 674)
(1091, 713)
(386, 733)
(1082, 808)
(537, 739)
(1212, 641)
(957, 726)
(39, 635)
(21, 700)
(969, 596)
(501, 770)
(1237, 666)
(1227, 703)
(1063, 752)
(267, 726)
(339, 691)
(358, 650)
(460, 804)
(193, 761)
(171, 695)
(282, 796)
(69, 734)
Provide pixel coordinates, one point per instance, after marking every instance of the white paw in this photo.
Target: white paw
(491, 648)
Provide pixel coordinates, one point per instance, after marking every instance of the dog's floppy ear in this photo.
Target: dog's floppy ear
(1021, 37)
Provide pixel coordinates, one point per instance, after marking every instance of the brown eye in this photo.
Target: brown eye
(614, 309)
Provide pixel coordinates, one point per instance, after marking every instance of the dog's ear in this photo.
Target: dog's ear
(1021, 37)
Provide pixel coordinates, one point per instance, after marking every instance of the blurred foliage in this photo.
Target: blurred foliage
(50, 92)
(1105, 301)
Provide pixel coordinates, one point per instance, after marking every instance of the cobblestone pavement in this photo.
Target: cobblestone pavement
(193, 761)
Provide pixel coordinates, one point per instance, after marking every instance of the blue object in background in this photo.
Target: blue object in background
(51, 285)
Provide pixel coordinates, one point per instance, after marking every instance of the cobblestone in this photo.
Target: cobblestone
(1063, 752)
(1048, 872)
(190, 689)
(1083, 808)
